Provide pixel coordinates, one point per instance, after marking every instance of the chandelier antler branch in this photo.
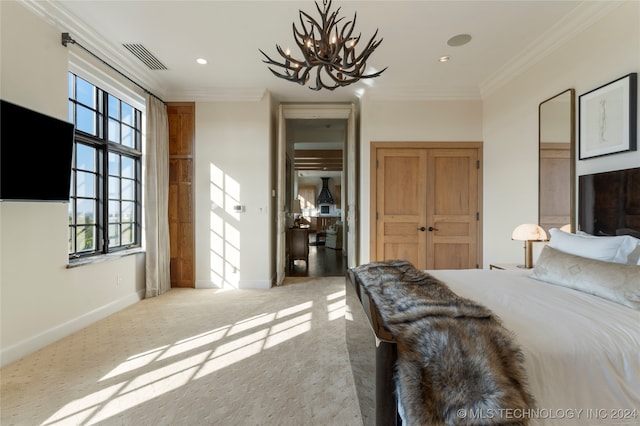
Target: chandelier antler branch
(327, 48)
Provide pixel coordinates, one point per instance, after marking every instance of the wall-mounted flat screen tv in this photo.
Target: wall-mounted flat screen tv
(36, 151)
(610, 203)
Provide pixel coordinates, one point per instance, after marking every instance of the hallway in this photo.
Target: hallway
(323, 262)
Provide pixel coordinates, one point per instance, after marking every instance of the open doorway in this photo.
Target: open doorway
(345, 114)
(316, 178)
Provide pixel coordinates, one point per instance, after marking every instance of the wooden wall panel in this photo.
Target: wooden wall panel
(181, 128)
(181, 207)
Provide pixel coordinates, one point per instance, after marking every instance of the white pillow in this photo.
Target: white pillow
(612, 281)
(589, 246)
(629, 251)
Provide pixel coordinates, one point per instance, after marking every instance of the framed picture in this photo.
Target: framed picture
(608, 118)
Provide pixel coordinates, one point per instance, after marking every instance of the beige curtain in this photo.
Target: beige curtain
(156, 198)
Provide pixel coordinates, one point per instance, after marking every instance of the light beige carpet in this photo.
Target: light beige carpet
(197, 357)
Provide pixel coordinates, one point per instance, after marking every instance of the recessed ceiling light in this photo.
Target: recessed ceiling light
(459, 40)
(201, 61)
(443, 58)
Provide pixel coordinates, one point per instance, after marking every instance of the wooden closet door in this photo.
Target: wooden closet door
(181, 207)
(452, 209)
(401, 205)
(426, 205)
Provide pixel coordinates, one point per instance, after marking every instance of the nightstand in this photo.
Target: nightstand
(507, 267)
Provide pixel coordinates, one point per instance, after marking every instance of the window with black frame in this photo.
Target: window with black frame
(105, 213)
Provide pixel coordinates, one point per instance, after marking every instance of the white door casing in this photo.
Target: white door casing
(319, 111)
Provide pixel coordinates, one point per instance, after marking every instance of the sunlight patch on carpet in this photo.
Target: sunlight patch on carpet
(294, 309)
(148, 375)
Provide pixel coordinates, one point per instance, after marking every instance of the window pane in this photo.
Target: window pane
(85, 93)
(138, 139)
(72, 187)
(71, 211)
(138, 127)
(114, 131)
(85, 184)
(85, 238)
(70, 85)
(127, 136)
(114, 103)
(114, 187)
(85, 211)
(114, 164)
(114, 211)
(72, 241)
(114, 235)
(128, 191)
(127, 234)
(86, 120)
(128, 169)
(71, 115)
(127, 211)
(127, 114)
(85, 157)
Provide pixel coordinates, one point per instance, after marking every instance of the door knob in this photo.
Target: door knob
(422, 228)
(431, 229)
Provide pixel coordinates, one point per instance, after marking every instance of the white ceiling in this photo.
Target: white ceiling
(507, 36)
(316, 133)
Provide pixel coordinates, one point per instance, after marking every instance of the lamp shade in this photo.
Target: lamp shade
(295, 206)
(529, 232)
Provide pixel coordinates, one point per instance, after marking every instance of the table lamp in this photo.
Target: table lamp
(296, 210)
(528, 232)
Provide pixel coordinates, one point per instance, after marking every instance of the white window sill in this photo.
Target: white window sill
(74, 263)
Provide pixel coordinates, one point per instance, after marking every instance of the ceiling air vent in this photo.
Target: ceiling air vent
(141, 52)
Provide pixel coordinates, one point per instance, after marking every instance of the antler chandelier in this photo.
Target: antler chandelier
(327, 48)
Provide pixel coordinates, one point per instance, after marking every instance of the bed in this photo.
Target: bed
(576, 320)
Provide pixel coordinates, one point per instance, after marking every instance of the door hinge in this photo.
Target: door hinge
(377, 162)
(478, 164)
(376, 215)
(477, 215)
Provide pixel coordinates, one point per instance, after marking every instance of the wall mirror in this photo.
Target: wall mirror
(556, 190)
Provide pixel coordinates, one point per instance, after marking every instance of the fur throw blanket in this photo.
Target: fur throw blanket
(457, 365)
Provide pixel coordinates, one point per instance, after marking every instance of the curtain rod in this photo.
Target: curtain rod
(66, 39)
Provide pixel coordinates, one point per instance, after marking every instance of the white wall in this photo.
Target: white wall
(234, 157)
(40, 299)
(434, 121)
(604, 52)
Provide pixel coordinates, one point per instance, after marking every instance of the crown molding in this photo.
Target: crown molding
(583, 16)
(218, 95)
(423, 94)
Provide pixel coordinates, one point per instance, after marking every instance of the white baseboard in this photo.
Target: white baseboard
(244, 284)
(206, 284)
(39, 341)
(256, 284)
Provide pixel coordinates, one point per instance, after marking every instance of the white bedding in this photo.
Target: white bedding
(582, 352)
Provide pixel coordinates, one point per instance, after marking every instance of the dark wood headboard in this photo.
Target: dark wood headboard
(610, 203)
